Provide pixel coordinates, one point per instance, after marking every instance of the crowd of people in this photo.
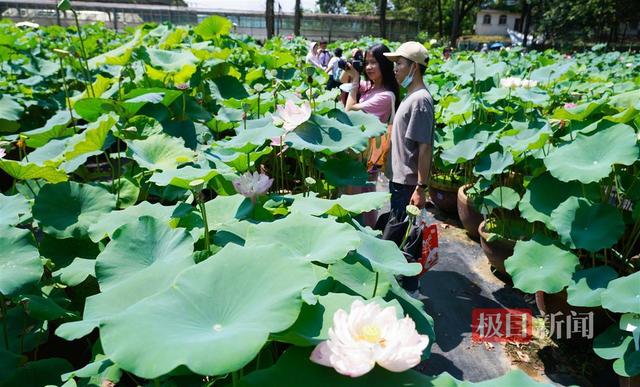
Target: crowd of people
(373, 81)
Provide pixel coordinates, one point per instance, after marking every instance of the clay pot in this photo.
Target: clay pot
(444, 197)
(468, 214)
(497, 251)
(557, 303)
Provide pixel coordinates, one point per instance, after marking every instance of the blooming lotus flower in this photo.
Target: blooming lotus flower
(368, 335)
(511, 82)
(293, 116)
(569, 105)
(528, 83)
(252, 185)
(2, 153)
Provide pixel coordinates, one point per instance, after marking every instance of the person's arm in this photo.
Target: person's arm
(352, 98)
(419, 197)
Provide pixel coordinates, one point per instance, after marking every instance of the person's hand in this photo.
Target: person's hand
(353, 73)
(418, 198)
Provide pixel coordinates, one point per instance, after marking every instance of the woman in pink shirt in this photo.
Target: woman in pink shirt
(377, 94)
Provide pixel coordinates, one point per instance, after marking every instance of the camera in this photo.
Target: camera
(356, 62)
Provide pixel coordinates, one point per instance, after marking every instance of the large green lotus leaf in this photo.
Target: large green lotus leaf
(623, 294)
(136, 98)
(132, 287)
(99, 370)
(19, 260)
(342, 206)
(225, 210)
(551, 72)
(45, 372)
(213, 26)
(238, 160)
(629, 364)
(137, 245)
(226, 87)
(496, 94)
(584, 224)
(295, 367)
(68, 209)
(501, 197)
(61, 252)
(182, 177)
(111, 221)
(307, 238)
(159, 151)
(76, 272)
(588, 284)
(540, 266)
(612, 343)
(10, 362)
(49, 154)
(457, 107)
(257, 132)
(384, 256)
(327, 135)
(531, 96)
(369, 123)
(92, 139)
(579, 112)
(343, 171)
(10, 111)
(545, 193)
(526, 136)
(493, 163)
(625, 100)
(13, 209)
(55, 127)
(356, 275)
(30, 171)
(479, 69)
(624, 116)
(171, 60)
(92, 108)
(99, 87)
(591, 158)
(119, 55)
(214, 318)
(467, 149)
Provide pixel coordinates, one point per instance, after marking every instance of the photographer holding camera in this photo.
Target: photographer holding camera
(377, 94)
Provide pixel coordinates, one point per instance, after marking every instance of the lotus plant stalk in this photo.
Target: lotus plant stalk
(196, 188)
(5, 328)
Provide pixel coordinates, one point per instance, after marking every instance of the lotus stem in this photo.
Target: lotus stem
(119, 172)
(87, 74)
(375, 285)
(203, 212)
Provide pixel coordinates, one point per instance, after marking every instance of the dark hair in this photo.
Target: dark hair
(337, 52)
(422, 68)
(386, 69)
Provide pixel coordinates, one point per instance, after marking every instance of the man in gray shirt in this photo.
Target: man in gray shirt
(412, 131)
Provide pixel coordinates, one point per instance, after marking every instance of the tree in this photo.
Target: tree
(297, 19)
(331, 6)
(271, 19)
(461, 9)
(383, 18)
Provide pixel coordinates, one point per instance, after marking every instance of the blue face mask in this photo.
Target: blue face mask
(407, 80)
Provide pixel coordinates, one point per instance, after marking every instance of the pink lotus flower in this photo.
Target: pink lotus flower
(252, 185)
(2, 153)
(569, 105)
(368, 335)
(292, 115)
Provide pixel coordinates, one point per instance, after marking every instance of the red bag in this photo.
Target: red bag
(429, 255)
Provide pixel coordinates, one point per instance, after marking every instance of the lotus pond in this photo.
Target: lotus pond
(171, 207)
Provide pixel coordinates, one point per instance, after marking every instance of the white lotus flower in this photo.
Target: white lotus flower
(511, 82)
(252, 185)
(528, 83)
(292, 115)
(368, 335)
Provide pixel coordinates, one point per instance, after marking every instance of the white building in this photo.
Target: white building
(496, 22)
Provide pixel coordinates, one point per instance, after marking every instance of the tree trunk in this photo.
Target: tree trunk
(440, 19)
(270, 16)
(527, 25)
(297, 19)
(383, 19)
(455, 24)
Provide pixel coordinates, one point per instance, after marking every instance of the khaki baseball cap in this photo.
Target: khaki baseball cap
(413, 51)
